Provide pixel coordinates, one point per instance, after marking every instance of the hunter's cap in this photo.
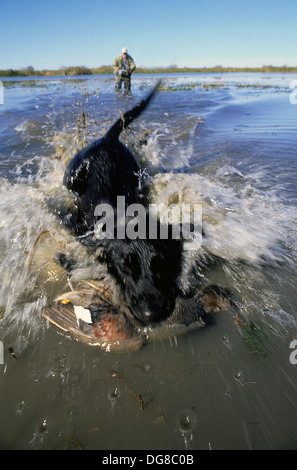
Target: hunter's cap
(124, 50)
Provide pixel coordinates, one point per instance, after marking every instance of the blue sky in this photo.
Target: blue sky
(56, 33)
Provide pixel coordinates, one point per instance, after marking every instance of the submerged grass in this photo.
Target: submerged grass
(214, 85)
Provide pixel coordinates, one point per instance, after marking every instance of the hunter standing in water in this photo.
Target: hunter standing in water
(123, 67)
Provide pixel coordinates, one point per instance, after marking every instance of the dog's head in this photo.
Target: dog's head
(146, 271)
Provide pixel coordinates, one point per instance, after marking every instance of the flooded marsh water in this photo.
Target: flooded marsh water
(225, 141)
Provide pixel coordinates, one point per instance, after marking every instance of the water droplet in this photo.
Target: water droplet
(186, 420)
(20, 408)
(226, 342)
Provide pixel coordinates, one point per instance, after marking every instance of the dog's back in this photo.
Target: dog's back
(104, 170)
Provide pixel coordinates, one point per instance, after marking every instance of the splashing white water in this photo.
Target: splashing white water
(240, 221)
(244, 224)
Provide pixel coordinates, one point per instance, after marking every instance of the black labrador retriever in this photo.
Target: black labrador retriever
(145, 270)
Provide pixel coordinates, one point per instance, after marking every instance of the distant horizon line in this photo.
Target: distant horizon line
(108, 69)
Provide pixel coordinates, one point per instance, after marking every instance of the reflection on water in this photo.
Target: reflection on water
(229, 145)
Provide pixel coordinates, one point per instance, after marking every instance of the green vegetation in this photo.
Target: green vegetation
(81, 70)
(216, 69)
(254, 338)
(107, 69)
(27, 72)
(191, 86)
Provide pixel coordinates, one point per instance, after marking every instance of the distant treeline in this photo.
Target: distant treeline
(107, 69)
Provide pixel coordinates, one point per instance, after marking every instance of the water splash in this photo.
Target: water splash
(186, 422)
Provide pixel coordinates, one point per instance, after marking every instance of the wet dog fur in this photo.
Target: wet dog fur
(103, 171)
(146, 272)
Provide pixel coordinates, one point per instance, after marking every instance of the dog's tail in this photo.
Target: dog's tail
(129, 116)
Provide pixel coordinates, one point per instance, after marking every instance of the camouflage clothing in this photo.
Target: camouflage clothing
(123, 68)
